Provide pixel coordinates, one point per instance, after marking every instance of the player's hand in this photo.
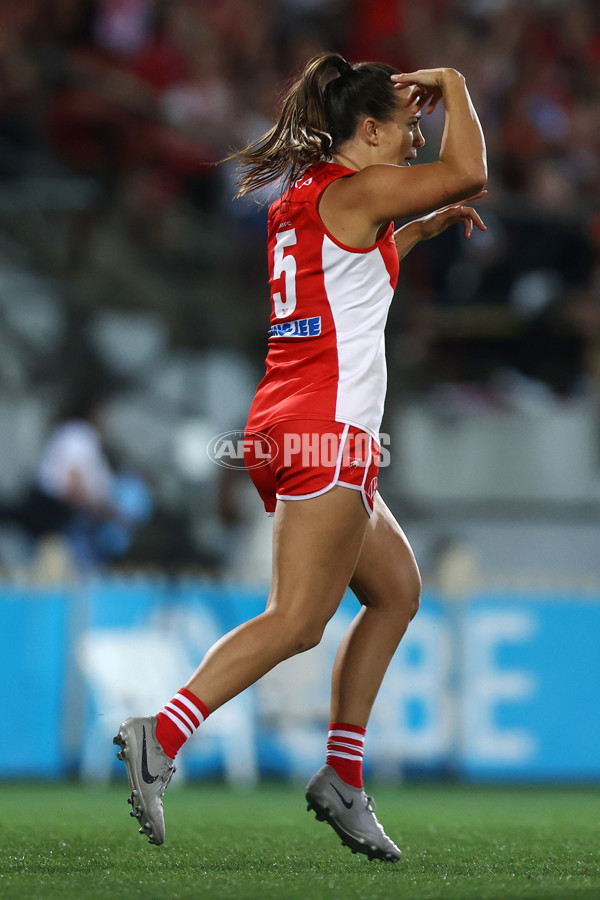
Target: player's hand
(455, 214)
(427, 86)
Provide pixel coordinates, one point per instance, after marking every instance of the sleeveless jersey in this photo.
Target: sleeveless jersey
(329, 306)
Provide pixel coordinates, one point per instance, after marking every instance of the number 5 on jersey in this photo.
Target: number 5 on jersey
(285, 265)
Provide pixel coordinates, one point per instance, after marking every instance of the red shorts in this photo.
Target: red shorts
(303, 458)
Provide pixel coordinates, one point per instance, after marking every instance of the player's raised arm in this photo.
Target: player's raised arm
(384, 148)
(462, 159)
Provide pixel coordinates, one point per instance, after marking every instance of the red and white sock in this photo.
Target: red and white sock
(345, 745)
(178, 720)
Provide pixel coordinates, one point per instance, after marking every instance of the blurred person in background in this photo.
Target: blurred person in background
(342, 148)
(78, 496)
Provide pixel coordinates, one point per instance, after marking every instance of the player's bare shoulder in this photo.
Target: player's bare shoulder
(351, 207)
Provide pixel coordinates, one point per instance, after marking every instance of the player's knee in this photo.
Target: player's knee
(294, 634)
(408, 590)
(306, 635)
(414, 593)
(415, 605)
(399, 597)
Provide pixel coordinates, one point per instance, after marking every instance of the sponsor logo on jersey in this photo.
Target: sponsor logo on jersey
(297, 328)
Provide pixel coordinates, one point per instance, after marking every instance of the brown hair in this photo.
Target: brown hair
(320, 111)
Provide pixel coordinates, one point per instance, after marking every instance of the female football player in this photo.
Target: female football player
(343, 149)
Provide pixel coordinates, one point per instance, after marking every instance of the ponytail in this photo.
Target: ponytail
(319, 112)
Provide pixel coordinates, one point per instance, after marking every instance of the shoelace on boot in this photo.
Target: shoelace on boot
(372, 806)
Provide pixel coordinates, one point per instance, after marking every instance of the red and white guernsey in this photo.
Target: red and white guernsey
(326, 356)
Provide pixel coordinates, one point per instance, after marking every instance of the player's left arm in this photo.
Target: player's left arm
(430, 226)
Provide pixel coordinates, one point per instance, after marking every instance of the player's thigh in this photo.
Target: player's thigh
(316, 545)
(386, 574)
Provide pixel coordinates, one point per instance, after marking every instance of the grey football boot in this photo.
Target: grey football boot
(149, 770)
(351, 814)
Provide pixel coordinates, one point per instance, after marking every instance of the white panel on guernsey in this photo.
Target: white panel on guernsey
(359, 294)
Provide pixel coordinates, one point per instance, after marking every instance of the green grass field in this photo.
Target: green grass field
(72, 841)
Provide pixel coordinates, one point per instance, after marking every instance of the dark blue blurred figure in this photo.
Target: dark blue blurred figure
(78, 495)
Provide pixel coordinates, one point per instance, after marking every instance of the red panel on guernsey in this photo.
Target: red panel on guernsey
(329, 306)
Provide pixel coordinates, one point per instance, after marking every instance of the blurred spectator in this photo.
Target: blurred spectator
(78, 496)
(124, 27)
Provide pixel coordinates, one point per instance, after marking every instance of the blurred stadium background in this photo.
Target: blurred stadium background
(131, 285)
